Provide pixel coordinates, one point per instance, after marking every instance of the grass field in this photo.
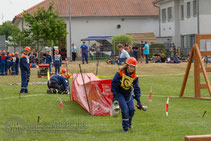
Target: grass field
(185, 115)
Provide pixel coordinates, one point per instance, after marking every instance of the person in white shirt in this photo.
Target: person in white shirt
(74, 51)
(123, 56)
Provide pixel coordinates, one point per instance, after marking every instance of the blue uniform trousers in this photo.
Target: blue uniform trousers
(57, 68)
(24, 81)
(84, 57)
(126, 104)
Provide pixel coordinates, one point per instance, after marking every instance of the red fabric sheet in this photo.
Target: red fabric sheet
(98, 92)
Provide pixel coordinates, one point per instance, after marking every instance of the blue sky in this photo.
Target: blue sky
(10, 8)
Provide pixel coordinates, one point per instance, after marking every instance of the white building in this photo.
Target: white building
(181, 20)
(102, 17)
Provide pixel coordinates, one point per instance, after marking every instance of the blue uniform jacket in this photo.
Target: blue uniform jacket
(84, 48)
(117, 89)
(48, 59)
(24, 63)
(57, 59)
(3, 58)
(60, 80)
(9, 59)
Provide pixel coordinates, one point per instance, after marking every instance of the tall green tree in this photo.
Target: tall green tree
(45, 26)
(7, 29)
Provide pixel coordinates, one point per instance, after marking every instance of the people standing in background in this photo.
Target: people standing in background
(141, 51)
(84, 52)
(35, 54)
(173, 50)
(57, 61)
(146, 52)
(128, 48)
(135, 51)
(48, 60)
(74, 52)
(8, 64)
(98, 52)
(123, 54)
(16, 64)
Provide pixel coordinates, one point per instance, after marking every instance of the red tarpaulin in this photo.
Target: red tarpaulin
(98, 93)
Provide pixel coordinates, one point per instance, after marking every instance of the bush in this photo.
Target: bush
(122, 39)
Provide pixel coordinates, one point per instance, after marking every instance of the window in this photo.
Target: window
(194, 8)
(182, 12)
(163, 15)
(169, 14)
(188, 9)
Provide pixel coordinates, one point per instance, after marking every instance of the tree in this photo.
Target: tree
(7, 29)
(45, 26)
(121, 39)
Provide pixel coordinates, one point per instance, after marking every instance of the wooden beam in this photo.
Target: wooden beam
(199, 37)
(205, 53)
(198, 138)
(207, 70)
(196, 73)
(186, 74)
(203, 86)
(203, 70)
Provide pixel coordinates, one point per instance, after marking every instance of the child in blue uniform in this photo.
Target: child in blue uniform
(121, 88)
(59, 82)
(57, 61)
(25, 70)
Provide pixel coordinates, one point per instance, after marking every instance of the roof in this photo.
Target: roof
(138, 37)
(84, 8)
(92, 38)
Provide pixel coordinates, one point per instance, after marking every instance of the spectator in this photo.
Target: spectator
(123, 54)
(84, 52)
(146, 52)
(163, 58)
(135, 51)
(141, 51)
(74, 52)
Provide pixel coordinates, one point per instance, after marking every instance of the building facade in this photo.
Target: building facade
(181, 20)
(102, 18)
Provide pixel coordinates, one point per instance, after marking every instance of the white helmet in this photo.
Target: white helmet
(114, 109)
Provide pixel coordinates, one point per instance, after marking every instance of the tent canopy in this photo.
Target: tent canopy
(96, 38)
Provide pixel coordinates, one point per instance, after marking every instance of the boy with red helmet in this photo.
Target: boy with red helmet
(25, 70)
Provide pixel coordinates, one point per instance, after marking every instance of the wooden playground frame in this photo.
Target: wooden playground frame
(199, 67)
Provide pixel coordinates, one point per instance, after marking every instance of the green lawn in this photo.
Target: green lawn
(185, 115)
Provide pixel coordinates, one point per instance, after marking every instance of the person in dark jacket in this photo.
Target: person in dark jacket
(25, 70)
(121, 88)
(57, 61)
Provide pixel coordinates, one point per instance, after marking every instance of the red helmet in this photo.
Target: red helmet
(68, 74)
(57, 50)
(27, 48)
(16, 53)
(131, 61)
(12, 54)
(4, 51)
(63, 70)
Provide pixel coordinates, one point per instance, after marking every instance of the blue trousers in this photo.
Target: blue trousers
(24, 81)
(84, 57)
(57, 68)
(2, 71)
(16, 69)
(135, 55)
(127, 108)
(13, 69)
